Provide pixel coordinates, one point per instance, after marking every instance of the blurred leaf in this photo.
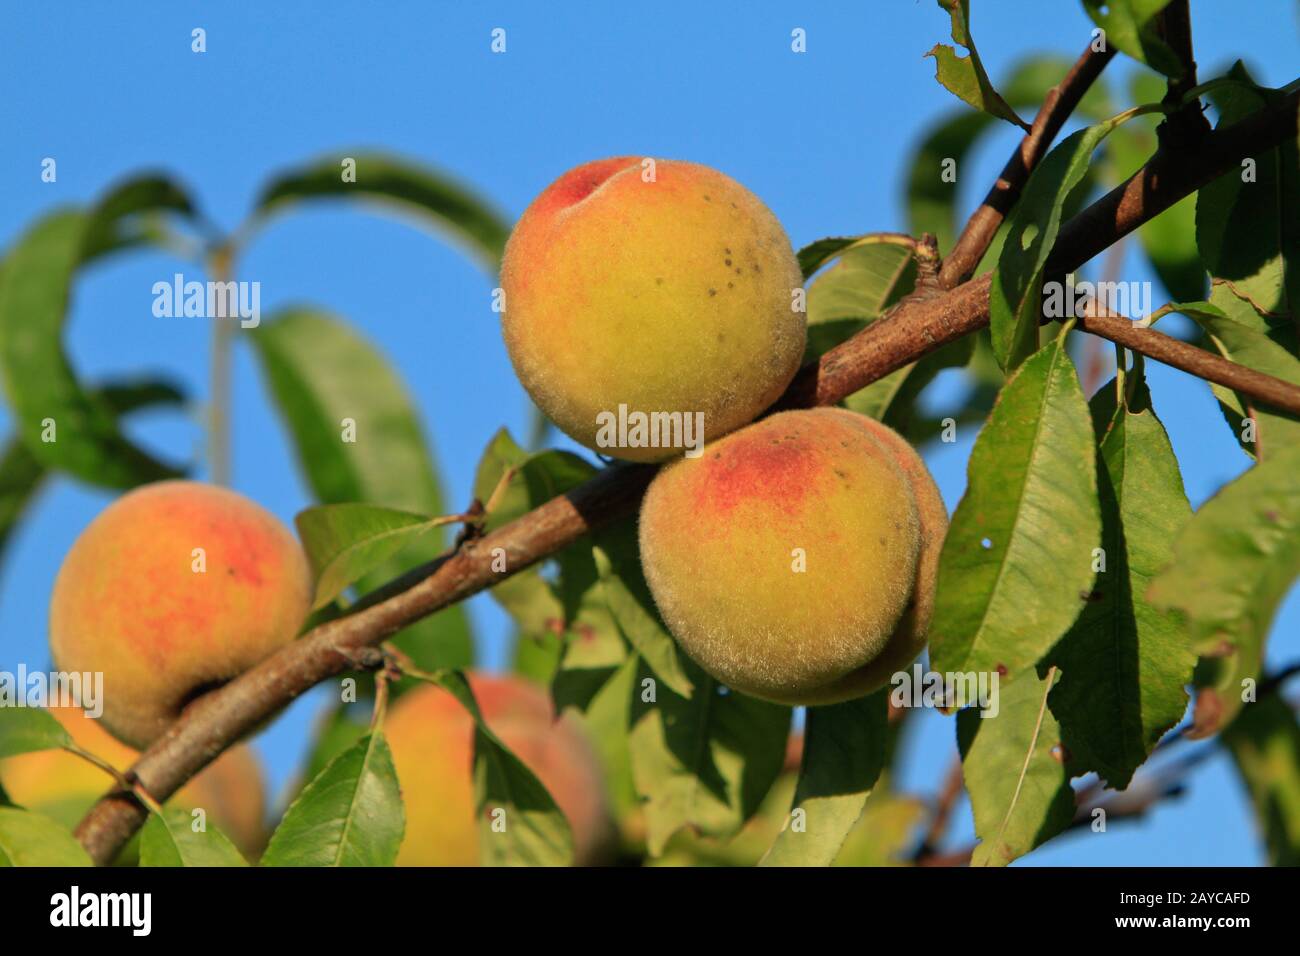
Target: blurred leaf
(618, 564)
(409, 187)
(592, 645)
(169, 839)
(932, 197)
(29, 839)
(1168, 240)
(704, 762)
(28, 729)
(885, 831)
(322, 376)
(21, 475)
(1248, 232)
(844, 752)
(1233, 564)
(127, 215)
(1255, 349)
(965, 77)
(1130, 26)
(35, 287)
(519, 822)
(1015, 300)
(346, 542)
(1124, 664)
(1264, 742)
(351, 814)
(1017, 561)
(1019, 790)
(607, 719)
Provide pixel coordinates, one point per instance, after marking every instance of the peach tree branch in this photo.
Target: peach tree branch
(918, 326)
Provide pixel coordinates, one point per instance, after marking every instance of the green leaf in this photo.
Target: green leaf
(401, 184)
(1017, 561)
(1248, 232)
(28, 729)
(844, 752)
(1019, 790)
(1130, 26)
(607, 720)
(349, 815)
(618, 564)
(29, 839)
(704, 762)
(885, 832)
(1124, 664)
(965, 76)
(169, 839)
(519, 822)
(1255, 349)
(346, 542)
(1015, 301)
(321, 373)
(1233, 564)
(1264, 742)
(35, 287)
(537, 477)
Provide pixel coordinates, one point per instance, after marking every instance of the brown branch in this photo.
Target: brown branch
(1213, 368)
(1185, 125)
(917, 327)
(1059, 104)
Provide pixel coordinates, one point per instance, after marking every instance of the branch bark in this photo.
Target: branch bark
(1059, 104)
(917, 327)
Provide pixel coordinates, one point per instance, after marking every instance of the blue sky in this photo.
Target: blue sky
(824, 138)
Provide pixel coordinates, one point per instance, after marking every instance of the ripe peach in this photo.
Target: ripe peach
(784, 558)
(664, 294)
(175, 588)
(432, 739)
(63, 786)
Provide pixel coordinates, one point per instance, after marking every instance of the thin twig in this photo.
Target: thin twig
(1060, 102)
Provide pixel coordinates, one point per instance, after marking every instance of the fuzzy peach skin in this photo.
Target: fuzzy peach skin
(666, 296)
(63, 786)
(910, 635)
(128, 603)
(432, 739)
(719, 538)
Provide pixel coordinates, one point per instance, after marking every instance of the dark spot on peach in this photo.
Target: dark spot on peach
(713, 292)
(731, 285)
(727, 261)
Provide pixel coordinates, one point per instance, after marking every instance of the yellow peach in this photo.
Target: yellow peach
(639, 288)
(784, 558)
(174, 589)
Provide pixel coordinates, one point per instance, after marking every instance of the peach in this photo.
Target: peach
(664, 289)
(910, 635)
(432, 739)
(64, 786)
(172, 590)
(784, 559)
